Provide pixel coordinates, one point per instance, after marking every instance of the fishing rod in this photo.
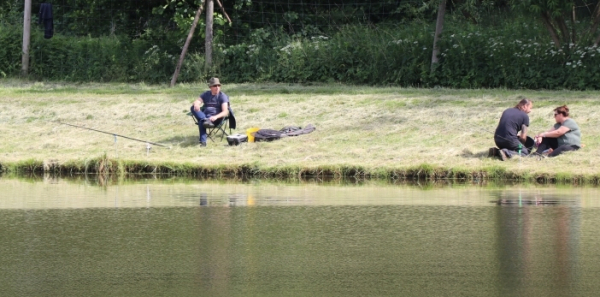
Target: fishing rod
(115, 135)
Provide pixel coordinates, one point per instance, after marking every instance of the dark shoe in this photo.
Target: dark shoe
(208, 124)
(202, 144)
(493, 152)
(502, 155)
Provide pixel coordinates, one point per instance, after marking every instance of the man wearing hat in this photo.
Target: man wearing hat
(210, 108)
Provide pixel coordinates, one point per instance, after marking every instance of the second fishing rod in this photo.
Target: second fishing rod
(117, 135)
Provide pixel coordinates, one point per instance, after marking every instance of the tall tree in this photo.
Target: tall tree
(439, 26)
(561, 20)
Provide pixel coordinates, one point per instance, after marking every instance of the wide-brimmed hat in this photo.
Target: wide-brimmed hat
(214, 82)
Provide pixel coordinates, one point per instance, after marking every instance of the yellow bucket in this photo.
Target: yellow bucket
(250, 132)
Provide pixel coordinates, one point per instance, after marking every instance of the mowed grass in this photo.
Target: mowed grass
(375, 129)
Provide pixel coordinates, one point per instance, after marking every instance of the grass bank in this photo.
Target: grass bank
(394, 133)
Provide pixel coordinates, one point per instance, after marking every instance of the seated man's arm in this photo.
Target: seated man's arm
(224, 112)
(198, 103)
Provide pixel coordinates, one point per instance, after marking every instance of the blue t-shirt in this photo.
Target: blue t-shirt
(212, 103)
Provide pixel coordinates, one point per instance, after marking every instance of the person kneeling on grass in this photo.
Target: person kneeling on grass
(563, 137)
(214, 110)
(507, 136)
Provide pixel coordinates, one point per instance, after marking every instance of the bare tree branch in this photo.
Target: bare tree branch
(186, 45)
(223, 9)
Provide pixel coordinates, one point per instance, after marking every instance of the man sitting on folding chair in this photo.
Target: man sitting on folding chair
(215, 109)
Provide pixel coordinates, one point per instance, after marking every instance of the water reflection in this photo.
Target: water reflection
(537, 244)
(177, 237)
(88, 191)
(532, 198)
(113, 179)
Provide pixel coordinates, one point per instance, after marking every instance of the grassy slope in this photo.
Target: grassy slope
(372, 128)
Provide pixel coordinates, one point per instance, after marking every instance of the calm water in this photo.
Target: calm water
(203, 238)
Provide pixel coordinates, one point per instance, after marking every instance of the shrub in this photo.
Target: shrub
(516, 54)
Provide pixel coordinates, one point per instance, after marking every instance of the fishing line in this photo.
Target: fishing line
(119, 135)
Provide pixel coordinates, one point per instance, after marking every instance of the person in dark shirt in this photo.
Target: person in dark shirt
(511, 133)
(210, 108)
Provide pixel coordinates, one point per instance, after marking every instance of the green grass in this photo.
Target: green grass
(374, 132)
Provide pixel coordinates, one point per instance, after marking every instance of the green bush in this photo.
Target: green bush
(100, 59)
(517, 54)
(10, 51)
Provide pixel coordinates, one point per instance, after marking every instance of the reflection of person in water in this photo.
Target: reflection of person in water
(564, 136)
(536, 246)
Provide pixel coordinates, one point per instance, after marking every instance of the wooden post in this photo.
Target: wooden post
(439, 26)
(26, 37)
(187, 44)
(210, 9)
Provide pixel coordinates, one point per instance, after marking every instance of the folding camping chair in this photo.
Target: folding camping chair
(220, 129)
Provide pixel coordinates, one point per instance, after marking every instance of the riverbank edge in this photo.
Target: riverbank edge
(104, 165)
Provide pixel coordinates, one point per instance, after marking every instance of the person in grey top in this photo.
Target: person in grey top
(564, 136)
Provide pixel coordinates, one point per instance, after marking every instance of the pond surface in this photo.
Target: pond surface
(206, 238)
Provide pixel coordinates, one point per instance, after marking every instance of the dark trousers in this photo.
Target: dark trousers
(48, 28)
(201, 117)
(512, 146)
(552, 143)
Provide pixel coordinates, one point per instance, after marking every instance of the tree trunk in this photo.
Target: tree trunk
(439, 26)
(210, 9)
(595, 21)
(548, 24)
(564, 30)
(26, 37)
(573, 20)
(187, 44)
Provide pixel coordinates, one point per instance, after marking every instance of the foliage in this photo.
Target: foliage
(182, 13)
(381, 43)
(480, 59)
(10, 51)
(102, 59)
(514, 57)
(562, 19)
(10, 12)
